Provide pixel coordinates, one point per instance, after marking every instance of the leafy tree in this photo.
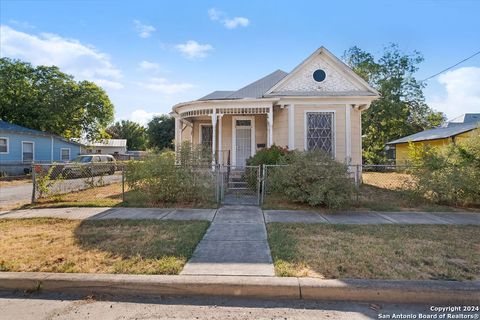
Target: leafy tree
(134, 133)
(401, 109)
(44, 98)
(161, 132)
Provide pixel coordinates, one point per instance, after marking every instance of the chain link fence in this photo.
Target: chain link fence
(77, 182)
(370, 182)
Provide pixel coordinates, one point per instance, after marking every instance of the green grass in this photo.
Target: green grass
(98, 246)
(376, 251)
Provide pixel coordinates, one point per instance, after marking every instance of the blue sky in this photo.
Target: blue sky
(149, 55)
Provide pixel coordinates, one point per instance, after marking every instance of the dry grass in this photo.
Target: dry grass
(388, 180)
(109, 196)
(376, 251)
(15, 182)
(105, 196)
(109, 246)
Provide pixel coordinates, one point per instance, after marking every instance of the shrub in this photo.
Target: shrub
(272, 155)
(449, 175)
(313, 178)
(158, 180)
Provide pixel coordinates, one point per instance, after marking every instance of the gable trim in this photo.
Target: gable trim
(337, 63)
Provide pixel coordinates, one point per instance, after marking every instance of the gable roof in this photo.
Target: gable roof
(437, 133)
(340, 65)
(265, 87)
(258, 88)
(216, 95)
(15, 128)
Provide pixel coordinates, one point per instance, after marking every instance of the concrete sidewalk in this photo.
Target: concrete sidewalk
(296, 216)
(235, 244)
(113, 213)
(243, 214)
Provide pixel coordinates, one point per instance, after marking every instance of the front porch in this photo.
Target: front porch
(229, 135)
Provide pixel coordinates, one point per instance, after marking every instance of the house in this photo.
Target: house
(317, 106)
(20, 146)
(114, 147)
(452, 132)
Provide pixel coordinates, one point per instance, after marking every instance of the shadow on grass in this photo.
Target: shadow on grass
(142, 246)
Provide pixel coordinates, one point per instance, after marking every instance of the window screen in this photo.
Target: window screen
(207, 136)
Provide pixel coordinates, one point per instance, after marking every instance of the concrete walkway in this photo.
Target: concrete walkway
(235, 244)
(296, 216)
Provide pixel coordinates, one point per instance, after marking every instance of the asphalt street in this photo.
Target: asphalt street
(57, 306)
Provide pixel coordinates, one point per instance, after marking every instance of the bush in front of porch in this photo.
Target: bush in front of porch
(159, 181)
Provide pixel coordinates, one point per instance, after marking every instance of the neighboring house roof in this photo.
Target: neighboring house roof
(437, 133)
(464, 118)
(15, 128)
(104, 143)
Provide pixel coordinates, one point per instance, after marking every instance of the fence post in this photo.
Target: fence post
(264, 184)
(357, 181)
(33, 183)
(123, 182)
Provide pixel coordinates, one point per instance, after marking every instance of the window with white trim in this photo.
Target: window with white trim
(3, 145)
(320, 135)
(65, 154)
(27, 151)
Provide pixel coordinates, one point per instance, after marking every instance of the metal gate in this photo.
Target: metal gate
(239, 185)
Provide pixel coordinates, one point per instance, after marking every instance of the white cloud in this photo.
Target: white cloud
(149, 66)
(462, 88)
(82, 61)
(164, 86)
(194, 50)
(141, 116)
(22, 24)
(143, 30)
(229, 23)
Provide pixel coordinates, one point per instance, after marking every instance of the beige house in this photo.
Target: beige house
(318, 105)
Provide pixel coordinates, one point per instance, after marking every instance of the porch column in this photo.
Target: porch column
(291, 127)
(178, 127)
(214, 134)
(220, 147)
(348, 134)
(270, 127)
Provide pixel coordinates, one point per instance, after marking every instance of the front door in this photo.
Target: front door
(243, 140)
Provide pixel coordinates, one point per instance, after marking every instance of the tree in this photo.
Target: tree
(401, 109)
(161, 132)
(134, 133)
(44, 98)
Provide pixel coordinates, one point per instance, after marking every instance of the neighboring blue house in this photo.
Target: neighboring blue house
(20, 146)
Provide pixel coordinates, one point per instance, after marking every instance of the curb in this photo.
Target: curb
(393, 291)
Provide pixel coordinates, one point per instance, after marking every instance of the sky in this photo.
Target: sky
(150, 55)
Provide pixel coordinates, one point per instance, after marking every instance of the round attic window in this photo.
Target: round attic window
(319, 75)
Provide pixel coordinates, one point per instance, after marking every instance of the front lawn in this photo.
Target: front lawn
(376, 251)
(102, 246)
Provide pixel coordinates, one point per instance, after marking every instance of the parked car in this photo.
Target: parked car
(90, 165)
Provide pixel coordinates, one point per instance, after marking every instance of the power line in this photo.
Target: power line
(436, 74)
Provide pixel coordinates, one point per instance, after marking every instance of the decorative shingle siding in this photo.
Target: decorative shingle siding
(303, 81)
